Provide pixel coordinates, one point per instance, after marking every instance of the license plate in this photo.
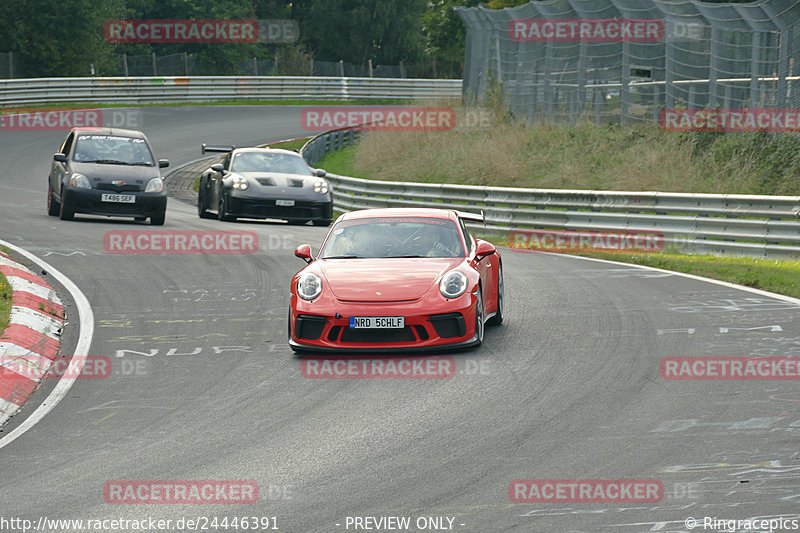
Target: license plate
(377, 322)
(284, 203)
(119, 198)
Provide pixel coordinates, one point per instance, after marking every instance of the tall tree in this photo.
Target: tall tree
(386, 31)
(57, 37)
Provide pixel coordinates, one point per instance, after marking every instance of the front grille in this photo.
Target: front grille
(108, 207)
(267, 208)
(333, 334)
(378, 335)
(449, 325)
(309, 327)
(128, 187)
(422, 333)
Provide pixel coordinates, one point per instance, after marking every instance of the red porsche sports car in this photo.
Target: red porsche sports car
(400, 279)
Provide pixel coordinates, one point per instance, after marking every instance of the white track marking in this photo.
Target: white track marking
(86, 319)
(788, 299)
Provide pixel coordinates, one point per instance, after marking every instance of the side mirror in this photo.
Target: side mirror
(320, 173)
(61, 158)
(304, 252)
(484, 249)
(163, 163)
(217, 167)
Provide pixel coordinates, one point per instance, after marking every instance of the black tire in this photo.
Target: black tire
(65, 212)
(158, 220)
(480, 327)
(53, 207)
(202, 208)
(321, 222)
(222, 212)
(498, 317)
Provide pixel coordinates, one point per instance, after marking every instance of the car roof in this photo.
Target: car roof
(110, 131)
(401, 212)
(267, 150)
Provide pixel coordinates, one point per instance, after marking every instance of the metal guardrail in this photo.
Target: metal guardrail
(762, 226)
(154, 90)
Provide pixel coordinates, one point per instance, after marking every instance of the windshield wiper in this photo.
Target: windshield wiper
(109, 162)
(403, 256)
(343, 257)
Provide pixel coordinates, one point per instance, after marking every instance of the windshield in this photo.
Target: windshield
(112, 149)
(269, 162)
(394, 237)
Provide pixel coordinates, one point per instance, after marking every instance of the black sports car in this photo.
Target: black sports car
(105, 171)
(264, 183)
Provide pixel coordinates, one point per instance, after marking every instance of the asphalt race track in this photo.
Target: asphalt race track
(205, 388)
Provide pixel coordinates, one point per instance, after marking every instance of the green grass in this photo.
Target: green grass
(780, 276)
(583, 156)
(295, 144)
(5, 303)
(341, 162)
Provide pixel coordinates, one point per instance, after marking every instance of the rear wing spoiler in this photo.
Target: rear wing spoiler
(206, 148)
(472, 217)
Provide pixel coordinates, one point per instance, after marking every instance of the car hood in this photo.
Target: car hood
(135, 177)
(383, 280)
(279, 179)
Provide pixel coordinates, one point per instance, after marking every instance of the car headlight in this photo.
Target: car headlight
(321, 186)
(239, 183)
(154, 185)
(453, 284)
(309, 286)
(79, 181)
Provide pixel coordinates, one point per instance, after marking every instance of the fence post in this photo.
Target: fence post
(597, 99)
(10, 65)
(185, 64)
(714, 68)
(548, 91)
(125, 64)
(369, 66)
(754, 66)
(341, 68)
(625, 90)
(255, 66)
(402, 69)
(155, 70)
